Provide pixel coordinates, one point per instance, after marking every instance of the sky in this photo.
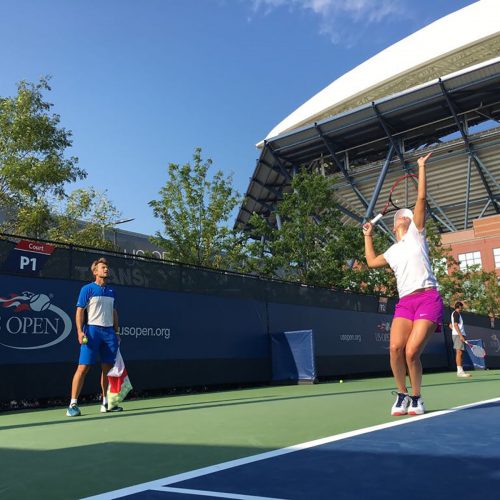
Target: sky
(142, 83)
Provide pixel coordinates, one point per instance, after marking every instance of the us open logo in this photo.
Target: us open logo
(30, 321)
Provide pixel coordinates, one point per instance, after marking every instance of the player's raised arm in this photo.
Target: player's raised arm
(372, 259)
(419, 211)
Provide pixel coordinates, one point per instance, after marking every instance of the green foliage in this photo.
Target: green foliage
(445, 267)
(83, 219)
(194, 211)
(312, 246)
(486, 300)
(478, 289)
(33, 168)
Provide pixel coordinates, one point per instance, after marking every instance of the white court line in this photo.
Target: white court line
(159, 483)
(216, 494)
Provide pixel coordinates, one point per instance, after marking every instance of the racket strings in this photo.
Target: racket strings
(404, 193)
(478, 351)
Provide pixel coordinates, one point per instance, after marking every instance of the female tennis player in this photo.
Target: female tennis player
(420, 308)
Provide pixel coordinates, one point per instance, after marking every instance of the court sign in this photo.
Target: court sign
(28, 257)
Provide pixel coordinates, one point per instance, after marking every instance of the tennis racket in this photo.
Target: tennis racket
(477, 350)
(403, 194)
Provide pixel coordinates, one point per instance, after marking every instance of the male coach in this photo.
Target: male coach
(98, 336)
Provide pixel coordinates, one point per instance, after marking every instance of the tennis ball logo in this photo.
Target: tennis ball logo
(39, 302)
(51, 320)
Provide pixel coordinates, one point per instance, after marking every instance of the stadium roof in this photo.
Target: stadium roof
(380, 141)
(469, 36)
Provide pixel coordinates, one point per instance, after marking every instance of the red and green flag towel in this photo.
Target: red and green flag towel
(119, 383)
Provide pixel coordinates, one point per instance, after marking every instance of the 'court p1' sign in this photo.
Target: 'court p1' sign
(28, 257)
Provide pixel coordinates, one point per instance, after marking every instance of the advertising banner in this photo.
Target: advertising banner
(37, 323)
(339, 332)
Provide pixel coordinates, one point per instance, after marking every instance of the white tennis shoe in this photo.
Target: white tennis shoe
(416, 406)
(400, 407)
(113, 409)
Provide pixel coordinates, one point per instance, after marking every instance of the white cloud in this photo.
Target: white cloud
(337, 18)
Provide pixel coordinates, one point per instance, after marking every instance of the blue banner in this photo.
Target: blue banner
(37, 323)
(340, 332)
(293, 356)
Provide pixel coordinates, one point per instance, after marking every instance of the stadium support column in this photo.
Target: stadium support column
(467, 192)
(284, 172)
(268, 188)
(350, 214)
(279, 163)
(468, 146)
(340, 166)
(444, 221)
(380, 182)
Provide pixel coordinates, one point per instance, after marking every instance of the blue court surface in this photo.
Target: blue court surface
(444, 454)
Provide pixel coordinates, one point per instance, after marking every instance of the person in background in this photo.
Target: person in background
(459, 337)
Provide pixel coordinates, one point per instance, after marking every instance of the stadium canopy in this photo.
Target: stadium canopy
(365, 149)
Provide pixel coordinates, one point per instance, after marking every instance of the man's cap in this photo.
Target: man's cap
(403, 212)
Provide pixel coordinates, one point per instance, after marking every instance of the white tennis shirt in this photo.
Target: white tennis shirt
(409, 259)
(456, 318)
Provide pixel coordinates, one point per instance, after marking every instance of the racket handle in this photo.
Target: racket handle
(376, 218)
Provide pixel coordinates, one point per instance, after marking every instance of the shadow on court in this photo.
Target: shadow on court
(71, 473)
(90, 412)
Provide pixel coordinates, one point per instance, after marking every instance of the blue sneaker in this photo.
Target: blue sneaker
(73, 411)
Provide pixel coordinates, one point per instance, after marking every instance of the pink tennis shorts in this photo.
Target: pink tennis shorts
(427, 304)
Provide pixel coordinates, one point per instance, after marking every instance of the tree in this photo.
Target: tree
(487, 301)
(312, 244)
(83, 218)
(478, 289)
(194, 211)
(33, 168)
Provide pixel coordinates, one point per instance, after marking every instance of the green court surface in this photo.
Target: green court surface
(44, 454)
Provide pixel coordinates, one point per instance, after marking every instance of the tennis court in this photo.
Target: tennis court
(47, 455)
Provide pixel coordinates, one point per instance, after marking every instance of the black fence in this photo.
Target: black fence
(72, 263)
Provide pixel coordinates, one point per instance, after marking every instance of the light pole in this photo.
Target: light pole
(112, 226)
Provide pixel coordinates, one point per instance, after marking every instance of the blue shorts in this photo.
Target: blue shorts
(102, 341)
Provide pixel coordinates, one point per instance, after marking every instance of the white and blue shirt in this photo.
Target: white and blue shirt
(99, 302)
